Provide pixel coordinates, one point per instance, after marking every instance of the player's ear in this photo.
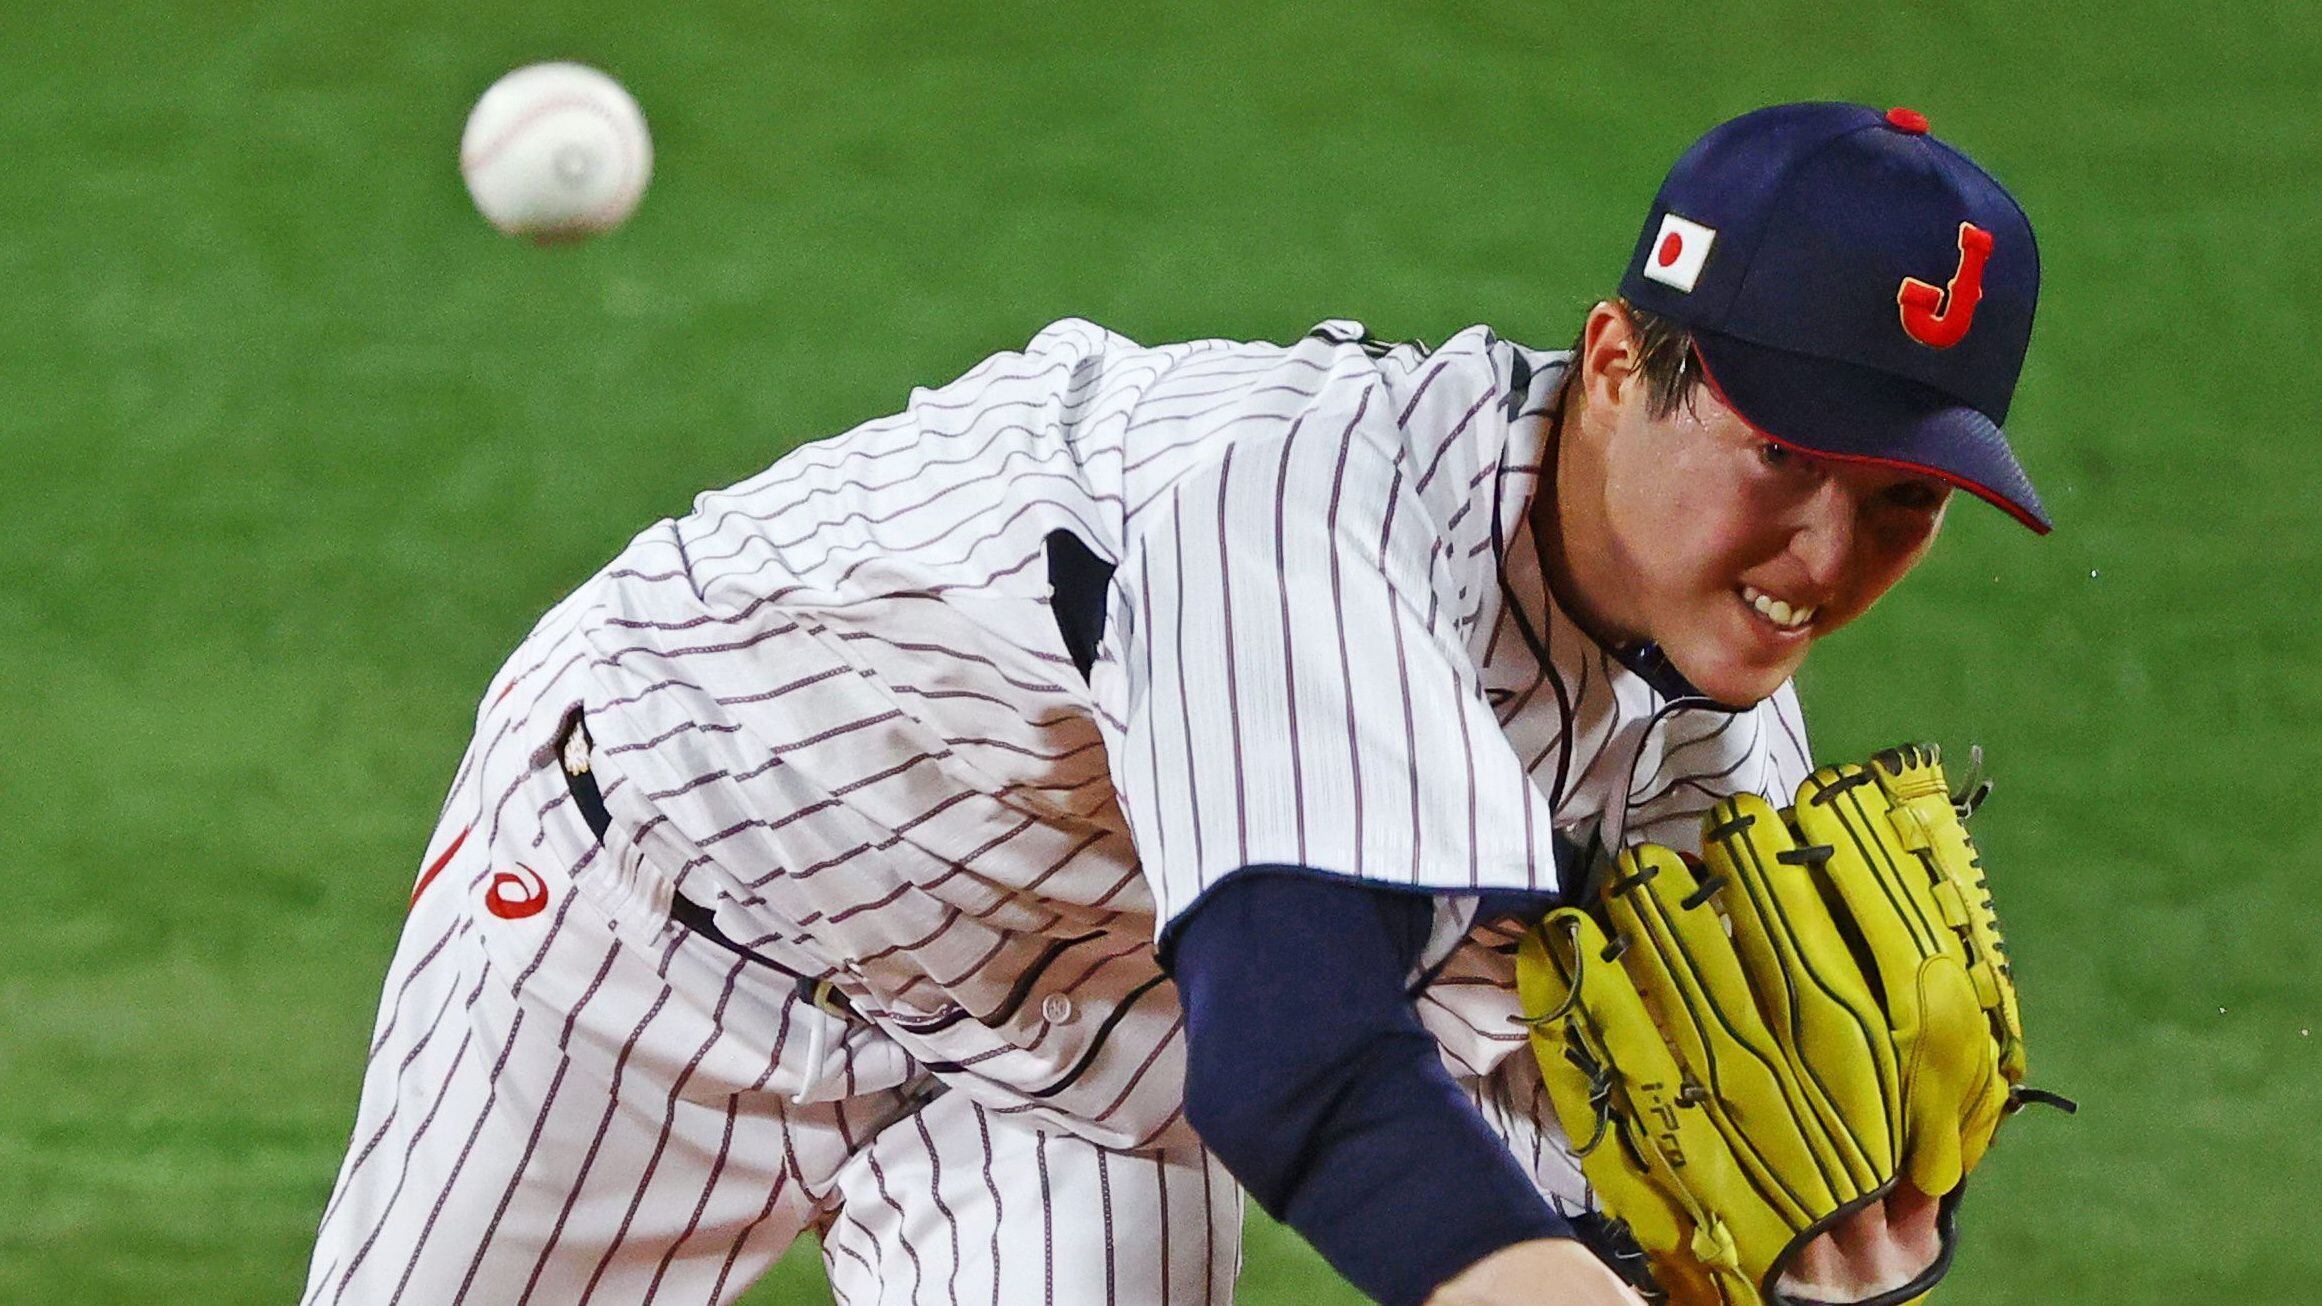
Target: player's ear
(1610, 354)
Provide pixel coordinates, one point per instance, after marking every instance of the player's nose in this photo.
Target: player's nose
(1824, 534)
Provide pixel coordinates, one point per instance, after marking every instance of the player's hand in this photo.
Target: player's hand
(1884, 1245)
(1543, 1272)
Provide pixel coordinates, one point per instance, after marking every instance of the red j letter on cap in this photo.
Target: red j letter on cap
(1938, 316)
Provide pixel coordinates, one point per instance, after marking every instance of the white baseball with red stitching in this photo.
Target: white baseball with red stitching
(556, 151)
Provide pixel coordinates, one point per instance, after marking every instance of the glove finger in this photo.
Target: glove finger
(1686, 968)
(1985, 1110)
(1818, 1002)
(1951, 1077)
(1544, 983)
(1880, 887)
(1942, 1034)
(1587, 1019)
(1912, 776)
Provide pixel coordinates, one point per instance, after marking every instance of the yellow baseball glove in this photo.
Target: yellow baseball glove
(1747, 1050)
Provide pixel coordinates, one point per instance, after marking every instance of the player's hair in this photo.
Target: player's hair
(1671, 369)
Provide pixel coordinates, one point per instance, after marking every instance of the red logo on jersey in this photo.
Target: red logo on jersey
(1938, 316)
(435, 868)
(514, 895)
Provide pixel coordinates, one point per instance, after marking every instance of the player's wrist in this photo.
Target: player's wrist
(1546, 1271)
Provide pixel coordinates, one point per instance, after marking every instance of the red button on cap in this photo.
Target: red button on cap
(1910, 120)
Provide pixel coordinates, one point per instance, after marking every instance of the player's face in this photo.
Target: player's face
(1748, 551)
(1732, 552)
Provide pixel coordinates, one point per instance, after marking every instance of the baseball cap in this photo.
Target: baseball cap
(1855, 287)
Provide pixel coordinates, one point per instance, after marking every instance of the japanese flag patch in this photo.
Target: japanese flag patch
(1678, 252)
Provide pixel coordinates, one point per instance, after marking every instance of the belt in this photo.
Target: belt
(575, 753)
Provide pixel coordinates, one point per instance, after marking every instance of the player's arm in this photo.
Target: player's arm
(1295, 690)
(1310, 1076)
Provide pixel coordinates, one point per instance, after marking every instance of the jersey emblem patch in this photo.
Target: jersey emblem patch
(1938, 316)
(514, 895)
(1678, 252)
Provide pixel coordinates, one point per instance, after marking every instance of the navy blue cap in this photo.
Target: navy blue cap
(1855, 287)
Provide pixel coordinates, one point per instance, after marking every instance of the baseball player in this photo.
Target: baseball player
(998, 837)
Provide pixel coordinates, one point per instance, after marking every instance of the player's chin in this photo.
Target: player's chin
(1739, 657)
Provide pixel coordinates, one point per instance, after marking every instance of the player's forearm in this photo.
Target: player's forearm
(1310, 1076)
(1545, 1272)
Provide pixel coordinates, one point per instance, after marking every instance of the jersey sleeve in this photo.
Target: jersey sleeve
(1294, 684)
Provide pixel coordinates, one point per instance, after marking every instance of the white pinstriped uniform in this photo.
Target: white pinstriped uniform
(833, 708)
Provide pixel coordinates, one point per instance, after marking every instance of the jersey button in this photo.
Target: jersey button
(1056, 1009)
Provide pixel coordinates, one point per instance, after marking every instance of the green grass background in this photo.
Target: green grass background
(293, 448)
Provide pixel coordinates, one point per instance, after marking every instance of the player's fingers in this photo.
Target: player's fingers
(1874, 1249)
(1816, 1270)
(1875, 1260)
(1820, 1005)
(1914, 1221)
(1685, 965)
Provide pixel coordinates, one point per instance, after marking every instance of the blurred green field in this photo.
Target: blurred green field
(293, 448)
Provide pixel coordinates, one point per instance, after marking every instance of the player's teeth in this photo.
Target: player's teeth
(1776, 610)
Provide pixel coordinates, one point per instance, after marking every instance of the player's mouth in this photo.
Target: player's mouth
(1778, 615)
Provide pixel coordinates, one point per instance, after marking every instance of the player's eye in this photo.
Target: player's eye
(1776, 456)
(1918, 496)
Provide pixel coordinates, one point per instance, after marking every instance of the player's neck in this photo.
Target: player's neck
(1567, 522)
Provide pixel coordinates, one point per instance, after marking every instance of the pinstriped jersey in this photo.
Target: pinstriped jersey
(834, 705)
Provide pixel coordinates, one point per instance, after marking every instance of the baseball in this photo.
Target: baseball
(556, 151)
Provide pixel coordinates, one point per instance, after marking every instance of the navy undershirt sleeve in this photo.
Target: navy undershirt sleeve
(1309, 1074)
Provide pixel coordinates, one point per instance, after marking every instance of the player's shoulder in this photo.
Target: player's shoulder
(1475, 375)
(1078, 335)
